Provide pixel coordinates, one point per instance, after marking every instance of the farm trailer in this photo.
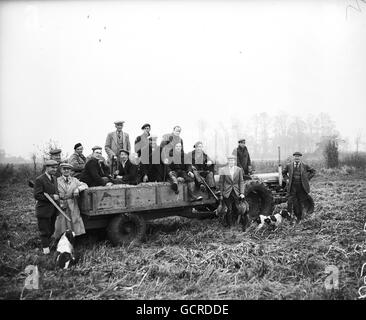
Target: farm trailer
(124, 209)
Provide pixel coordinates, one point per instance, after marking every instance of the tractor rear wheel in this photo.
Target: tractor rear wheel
(125, 228)
(259, 198)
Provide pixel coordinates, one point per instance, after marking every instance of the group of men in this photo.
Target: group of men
(150, 162)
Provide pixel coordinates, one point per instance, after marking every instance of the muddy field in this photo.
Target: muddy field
(198, 259)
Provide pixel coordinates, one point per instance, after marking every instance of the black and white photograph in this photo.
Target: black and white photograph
(205, 151)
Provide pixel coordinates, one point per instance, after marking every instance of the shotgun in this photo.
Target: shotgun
(206, 185)
(56, 206)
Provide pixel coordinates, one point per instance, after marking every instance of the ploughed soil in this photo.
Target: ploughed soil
(185, 258)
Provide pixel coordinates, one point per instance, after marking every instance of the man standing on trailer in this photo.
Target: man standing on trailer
(298, 175)
(142, 140)
(116, 141)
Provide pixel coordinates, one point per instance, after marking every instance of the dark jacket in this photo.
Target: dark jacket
(242, 158)
(177, 162)
(128, 173)
(199, 162)
(44, 208)
(140, 142)
(306, 173)
(151, 164)
(94, 172)
(168, 143)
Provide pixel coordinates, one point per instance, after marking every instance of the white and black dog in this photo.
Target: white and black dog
(276, 219)
(65, 250)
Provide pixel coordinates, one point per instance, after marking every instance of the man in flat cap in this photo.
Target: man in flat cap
(126, 171)
(77, 160)
(298, 175)
(142, 140)
(201, 166)
(116, 141)
(69, 189)
(55, 154)
(45, 211)
(231, 184)
(242, 157)
(96, 172)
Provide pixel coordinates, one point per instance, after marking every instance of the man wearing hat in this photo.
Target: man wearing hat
(201, 166)
(116, 141)
(45, 211)
(151, 166)
(77, 160)
(55, 154)
(242, 157)
(127, 171)
(231, 184)
(142, 140)
(298, 175)
(96, 172)
(69, 189)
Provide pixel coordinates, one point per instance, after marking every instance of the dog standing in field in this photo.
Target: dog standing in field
(276, 219)
(65, 250)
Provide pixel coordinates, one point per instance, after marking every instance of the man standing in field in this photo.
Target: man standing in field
(116, 141)
(298, 175)
(45, 211)
(231, 184)
(242, 157)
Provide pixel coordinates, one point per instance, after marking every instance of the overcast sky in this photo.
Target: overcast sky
(69, 69)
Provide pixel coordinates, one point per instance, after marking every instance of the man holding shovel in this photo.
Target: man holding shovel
(46, 212)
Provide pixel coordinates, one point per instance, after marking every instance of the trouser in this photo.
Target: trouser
(232, 203)
(207, 175)
(173, 175)
(296, 199)
(46, 227)
(155, 173)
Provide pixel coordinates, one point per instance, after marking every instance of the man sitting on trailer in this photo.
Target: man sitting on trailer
(202, 167)
(178, 171)
(151, 166)
(127, 171)
(96, 172)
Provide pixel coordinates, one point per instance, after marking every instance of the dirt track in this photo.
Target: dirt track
(198, 259)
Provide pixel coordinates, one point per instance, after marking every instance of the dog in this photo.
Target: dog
(65, 250)
(261, 221)
(276, 219)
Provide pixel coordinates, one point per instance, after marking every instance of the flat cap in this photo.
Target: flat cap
(96, 148)
(55, 151)
(297, 153)
(50, 163)
(125, 151)
(197, 143)
(230, 157)
(66, 165)
(145, 125)
(241, 140)
(119, 122)
(77, 145)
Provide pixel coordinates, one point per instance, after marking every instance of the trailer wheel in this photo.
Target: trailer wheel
(125, 228)
(259, 198)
